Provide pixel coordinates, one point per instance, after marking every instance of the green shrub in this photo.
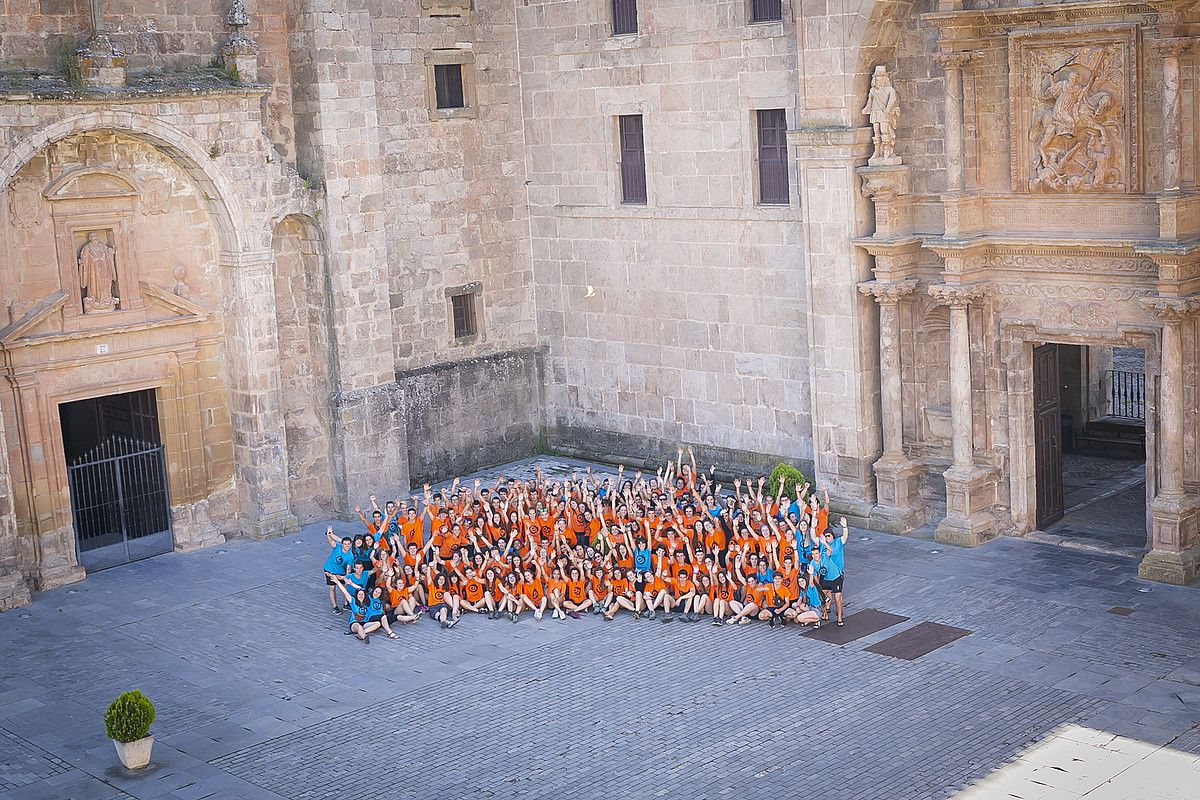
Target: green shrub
(128, 717)
(792, 480)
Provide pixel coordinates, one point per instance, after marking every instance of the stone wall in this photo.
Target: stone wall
(684, 319)
(473, 414)
(456, 199)
(154, 36)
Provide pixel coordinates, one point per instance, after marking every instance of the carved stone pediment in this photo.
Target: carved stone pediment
(90, 183)
(43, 322)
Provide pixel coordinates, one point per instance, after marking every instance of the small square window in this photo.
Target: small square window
(766, 11)
(462, 309)
(448, 85)
(624, 17)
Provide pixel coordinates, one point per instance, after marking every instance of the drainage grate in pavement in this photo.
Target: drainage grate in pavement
(858, 625)
(918, 640)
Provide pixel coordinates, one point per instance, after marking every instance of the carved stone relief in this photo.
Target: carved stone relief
(1074, 108)
(24, 203)
(156, 194)
(1053, 291)
(1080, 264)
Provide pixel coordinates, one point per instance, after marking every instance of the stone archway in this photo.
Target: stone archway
(204, 339)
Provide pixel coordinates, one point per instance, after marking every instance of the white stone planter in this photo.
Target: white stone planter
(135, 755)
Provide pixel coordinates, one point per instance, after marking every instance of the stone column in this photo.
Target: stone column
(842, 336)
(951, 63)
(1170, 49)
(256, 410)
(1175, 514)
(894, 473)
(14, 592)
(970, 489)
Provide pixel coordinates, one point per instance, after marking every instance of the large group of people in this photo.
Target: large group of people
(670, 546)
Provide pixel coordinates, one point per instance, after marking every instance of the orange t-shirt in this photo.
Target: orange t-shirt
(533, 590)
(621, 587)
(472, 589)
(559, 586)
(576, 591)
(434, 593)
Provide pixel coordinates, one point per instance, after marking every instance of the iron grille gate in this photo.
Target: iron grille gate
(119, 502)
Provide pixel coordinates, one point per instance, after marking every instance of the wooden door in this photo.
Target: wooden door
(1047, 435)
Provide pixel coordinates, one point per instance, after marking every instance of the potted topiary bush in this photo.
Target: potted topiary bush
(127, 723)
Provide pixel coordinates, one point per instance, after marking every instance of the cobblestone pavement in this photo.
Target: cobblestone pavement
(260, 696)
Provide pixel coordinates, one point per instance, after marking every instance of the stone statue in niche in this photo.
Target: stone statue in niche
(883, 109)
(1077, 125)
(98, 275)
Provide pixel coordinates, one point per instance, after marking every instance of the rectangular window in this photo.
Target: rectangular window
(633, 159)
(448, 85)
(463, 309)
(624, 14)
(772, 157)
(766, 10)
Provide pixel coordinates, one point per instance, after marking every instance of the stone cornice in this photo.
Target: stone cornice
(1173, 46)
(888, 291)
(969, 24)
(888, 247)
(958, 295)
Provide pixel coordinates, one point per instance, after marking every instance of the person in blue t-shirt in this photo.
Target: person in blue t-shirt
(832, 568)
(360, 607)
(808, 606)
(337, 564)
(358, 577)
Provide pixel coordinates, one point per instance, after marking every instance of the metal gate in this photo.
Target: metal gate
(119, 502)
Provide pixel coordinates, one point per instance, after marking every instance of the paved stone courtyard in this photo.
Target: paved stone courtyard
(1079, 679)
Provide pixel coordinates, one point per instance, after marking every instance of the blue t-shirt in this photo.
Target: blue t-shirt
(812, 596)
(764, 576)
(641, 559)
(359, 612)
(338, 563)
(357, 581)
(829, 569)
(837, 554)
(374, 607)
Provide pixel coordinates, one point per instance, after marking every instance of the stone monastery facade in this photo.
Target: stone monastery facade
(355, 245)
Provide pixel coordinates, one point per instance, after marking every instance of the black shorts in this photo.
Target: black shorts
(375, 619)
(434, 609)
(834, 585)
(328, 580)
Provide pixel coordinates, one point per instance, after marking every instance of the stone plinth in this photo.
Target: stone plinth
(101, 65)
(970, 498)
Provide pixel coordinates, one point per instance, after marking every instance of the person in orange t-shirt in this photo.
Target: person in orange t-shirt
(556, 592)
(576, 599)
(533, 594)
(623, 595)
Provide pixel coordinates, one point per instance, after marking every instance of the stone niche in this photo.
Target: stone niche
(110, 283)
(1074, 105)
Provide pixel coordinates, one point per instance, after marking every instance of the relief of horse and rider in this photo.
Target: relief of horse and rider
(1078, 124)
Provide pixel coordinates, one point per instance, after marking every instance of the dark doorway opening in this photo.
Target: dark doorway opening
(116, 470)
(1090, 443)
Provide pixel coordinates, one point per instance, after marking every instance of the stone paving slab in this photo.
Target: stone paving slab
(261, 696)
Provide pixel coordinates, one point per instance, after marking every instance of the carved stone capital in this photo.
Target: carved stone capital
(1172, 309)
(888, 291)
(952, 59)
(957, 295)
(1173, 46)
